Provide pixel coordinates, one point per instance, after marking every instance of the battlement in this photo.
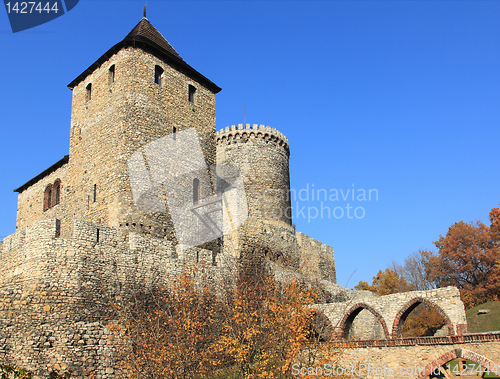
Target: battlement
(237, 132)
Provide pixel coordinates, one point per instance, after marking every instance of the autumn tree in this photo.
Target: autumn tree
(255, 329)
(415, 270)
(495, 225)
(467, 259)
(385, 283)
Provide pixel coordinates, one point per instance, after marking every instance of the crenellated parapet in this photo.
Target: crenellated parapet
(240, 132)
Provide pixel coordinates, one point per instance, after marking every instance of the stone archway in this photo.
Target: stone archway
(437, 365)
(399, 320)
(346, 322)
(321, 327)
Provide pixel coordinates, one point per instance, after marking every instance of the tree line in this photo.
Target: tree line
(467, 257)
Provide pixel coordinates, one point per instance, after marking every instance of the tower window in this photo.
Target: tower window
(158, 75)
(196, 190)
(95, 193)
(89, 92)
(192, 90)
(112, 74)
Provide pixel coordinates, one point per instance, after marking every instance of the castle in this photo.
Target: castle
(82, 233)
(89, 230)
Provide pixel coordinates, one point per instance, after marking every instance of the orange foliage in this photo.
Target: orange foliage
(467, 259)
(257, 329)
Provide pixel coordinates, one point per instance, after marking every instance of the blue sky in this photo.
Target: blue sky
(394, 96)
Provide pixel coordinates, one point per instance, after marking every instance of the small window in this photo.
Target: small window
(192, 90)
(95, 193)
(56, 192)
(89, 91)
(158, 75)
(196, 191)
(112, 74)
(47, 198)
(174, 132)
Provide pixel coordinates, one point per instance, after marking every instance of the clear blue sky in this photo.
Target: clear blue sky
(401, 97)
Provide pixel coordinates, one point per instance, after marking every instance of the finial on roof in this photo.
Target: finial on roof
(144, 10)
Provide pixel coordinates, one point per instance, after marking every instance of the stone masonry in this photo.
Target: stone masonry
(82, 242)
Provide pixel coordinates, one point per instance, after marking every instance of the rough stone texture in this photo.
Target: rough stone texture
(56, 293)
(316, 258)
(30, 201)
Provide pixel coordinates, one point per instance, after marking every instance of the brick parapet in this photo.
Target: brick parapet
(425, 341)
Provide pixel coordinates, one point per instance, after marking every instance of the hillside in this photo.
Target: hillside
(486, 322)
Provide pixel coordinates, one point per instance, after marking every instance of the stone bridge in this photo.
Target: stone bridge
(390, 312)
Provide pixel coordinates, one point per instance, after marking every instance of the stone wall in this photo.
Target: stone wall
(122, 117)
(30, 201)
(316, 258)
(56, 294)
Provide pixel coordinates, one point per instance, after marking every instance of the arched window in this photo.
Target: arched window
(56, 193)
(47, 198)
(158, 75)
(196, 190)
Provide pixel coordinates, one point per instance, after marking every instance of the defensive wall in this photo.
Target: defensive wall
(57, 294)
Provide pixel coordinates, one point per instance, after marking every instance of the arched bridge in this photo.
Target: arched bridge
(390, 312)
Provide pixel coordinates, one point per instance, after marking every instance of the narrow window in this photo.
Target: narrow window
(47, 198)
(89, 91)
(98, 232)
(174, 130)
(196, 191)
(158, 75)
(56, 192)
(112, 74)
(95, 193)
(192, 90)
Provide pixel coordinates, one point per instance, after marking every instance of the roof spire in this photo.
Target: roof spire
(144, 10)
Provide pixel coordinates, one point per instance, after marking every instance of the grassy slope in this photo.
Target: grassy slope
(486, 322)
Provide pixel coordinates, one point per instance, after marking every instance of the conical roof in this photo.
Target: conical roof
(145, 31)
(145, 36)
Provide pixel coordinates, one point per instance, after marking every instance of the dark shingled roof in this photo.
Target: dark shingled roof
(145, 36)
(145, 31)
(43, 174)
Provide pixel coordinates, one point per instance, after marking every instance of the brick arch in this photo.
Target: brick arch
(399, 320)
(352, 313)
(321, 327)
(453, 354)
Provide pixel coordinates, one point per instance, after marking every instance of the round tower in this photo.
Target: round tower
(261, 153)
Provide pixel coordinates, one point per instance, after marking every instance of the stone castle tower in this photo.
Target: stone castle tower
(261, 154)
(80, 236)
(137, 92)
